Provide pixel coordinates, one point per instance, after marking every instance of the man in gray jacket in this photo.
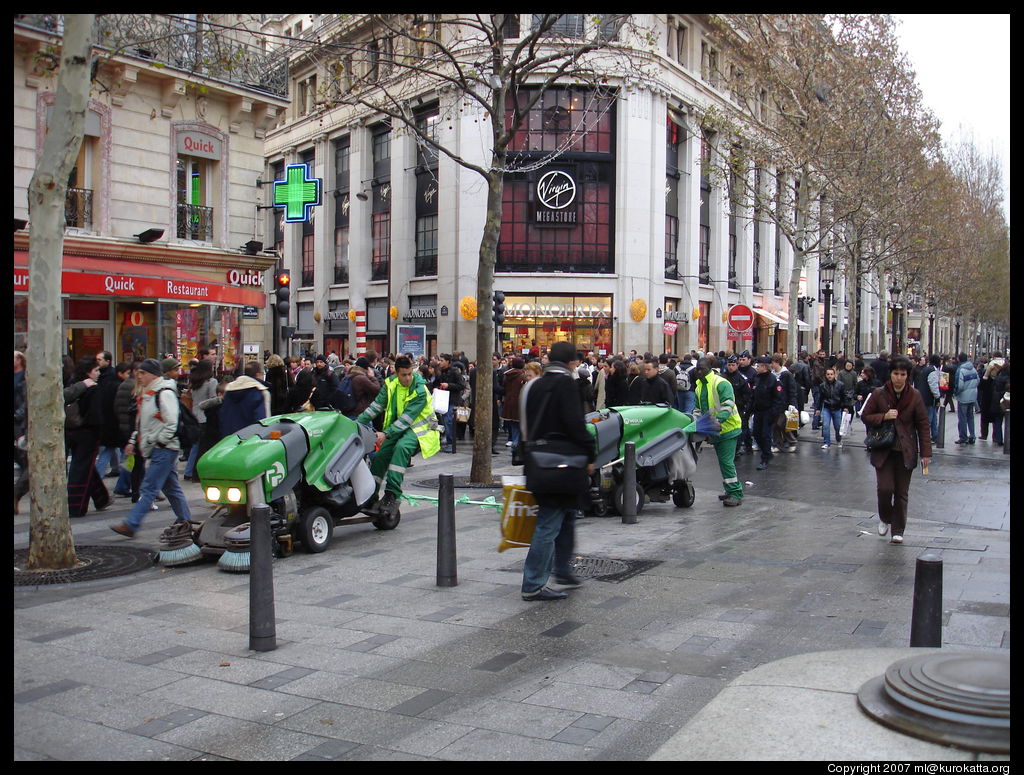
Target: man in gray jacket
(965, 385)
(155, 438)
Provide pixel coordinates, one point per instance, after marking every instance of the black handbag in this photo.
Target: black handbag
(881, 436)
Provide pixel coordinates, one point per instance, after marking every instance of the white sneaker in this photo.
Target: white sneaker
(882, 527)
(775, 450)
(509, 444)
(824, 446)
(896, 539)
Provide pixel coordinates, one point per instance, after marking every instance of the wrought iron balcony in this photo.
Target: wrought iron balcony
(78, 208)
(226, 54)
(195, 222)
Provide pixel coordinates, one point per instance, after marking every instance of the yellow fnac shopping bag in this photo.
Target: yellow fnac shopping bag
(518, 514)
(792, 420)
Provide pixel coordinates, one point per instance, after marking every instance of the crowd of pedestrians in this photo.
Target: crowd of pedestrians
(121, 419)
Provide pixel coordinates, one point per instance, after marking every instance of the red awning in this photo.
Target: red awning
(131, 279)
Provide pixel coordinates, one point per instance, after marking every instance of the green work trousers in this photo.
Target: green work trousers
(725, 449)
(391, 460)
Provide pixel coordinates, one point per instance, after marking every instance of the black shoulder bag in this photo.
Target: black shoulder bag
(880, 436)
(555, 465)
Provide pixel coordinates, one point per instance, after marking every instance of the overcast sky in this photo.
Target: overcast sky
(963, 69)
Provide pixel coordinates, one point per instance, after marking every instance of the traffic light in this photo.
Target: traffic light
(282, 292)
(499, 307)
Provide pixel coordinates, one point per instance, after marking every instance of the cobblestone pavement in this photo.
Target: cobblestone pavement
(376, 662)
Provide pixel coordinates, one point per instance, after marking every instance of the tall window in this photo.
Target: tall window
(342, 203)
(380, 218)
(277, 173)
(79, 201)
(381, 238)
(309, 236)
(705, 253)
(674, 134)
(195, 219)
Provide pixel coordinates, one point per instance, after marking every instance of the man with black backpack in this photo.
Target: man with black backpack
(156, 439)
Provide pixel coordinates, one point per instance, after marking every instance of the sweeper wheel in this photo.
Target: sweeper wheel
(683, 494)
(316, 526)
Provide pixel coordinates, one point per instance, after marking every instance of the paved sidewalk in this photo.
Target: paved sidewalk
(374, 661)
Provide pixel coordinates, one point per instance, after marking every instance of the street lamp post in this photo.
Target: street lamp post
(894, 292)
(828, 276)
(931, 326)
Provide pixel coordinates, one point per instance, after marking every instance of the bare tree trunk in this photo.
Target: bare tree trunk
(480, 471)
(51, 544)
(799, 260)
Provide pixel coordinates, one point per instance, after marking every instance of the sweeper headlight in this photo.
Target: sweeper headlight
(213, 494)
(234, 495)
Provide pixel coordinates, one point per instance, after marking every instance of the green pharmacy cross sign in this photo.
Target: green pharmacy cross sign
(297, 193)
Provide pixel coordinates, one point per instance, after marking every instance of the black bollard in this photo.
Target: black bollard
(1006, 433)
(926, 619)
(629, 504)
(262, 627)
(940, 442)
(447, 573)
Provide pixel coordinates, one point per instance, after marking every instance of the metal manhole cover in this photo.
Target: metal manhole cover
(95, 562)
(610, 568)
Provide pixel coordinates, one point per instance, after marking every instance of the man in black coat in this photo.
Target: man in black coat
(650, 387)
(551, 405)
(881, 367)
(767, 402)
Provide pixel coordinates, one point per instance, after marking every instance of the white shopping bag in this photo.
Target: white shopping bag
(844, 426)
(440, 401)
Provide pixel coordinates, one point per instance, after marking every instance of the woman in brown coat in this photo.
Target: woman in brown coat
(897, 400)
(512, 383)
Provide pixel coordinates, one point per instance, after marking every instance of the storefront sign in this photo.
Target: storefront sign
(421, 313)
(245, 277)
(670, 327)
(125, 284)
(199, 145)
(569, 310)
(556, 195)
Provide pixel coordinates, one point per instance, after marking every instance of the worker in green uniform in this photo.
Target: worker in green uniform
(410, 426)
(714, 396)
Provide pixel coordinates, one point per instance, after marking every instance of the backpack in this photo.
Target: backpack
(344, 396)
(188, 426)
(682, 380)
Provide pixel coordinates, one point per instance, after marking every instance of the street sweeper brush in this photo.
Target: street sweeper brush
(236, 557)
(178, 545)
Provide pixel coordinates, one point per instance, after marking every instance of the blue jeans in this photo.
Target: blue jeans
(933, 420)
(104, 463)
(512, 426)
(554, 538)
(685, 401)
(833, 417)
(193, 456)
(449, 427)
(160, 476)
(965, 420)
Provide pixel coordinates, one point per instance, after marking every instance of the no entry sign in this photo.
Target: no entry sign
(740, 318)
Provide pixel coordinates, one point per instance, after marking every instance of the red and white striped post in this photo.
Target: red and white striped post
(360, 332)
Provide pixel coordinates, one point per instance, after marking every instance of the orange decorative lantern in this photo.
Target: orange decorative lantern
(638, 309)
(393, 312)
(467, 307)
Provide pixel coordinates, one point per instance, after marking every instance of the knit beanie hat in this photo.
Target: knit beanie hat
(152, 365)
